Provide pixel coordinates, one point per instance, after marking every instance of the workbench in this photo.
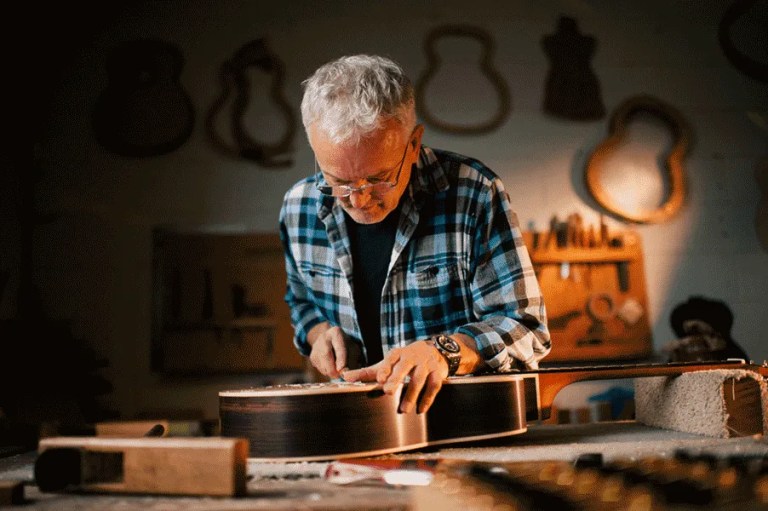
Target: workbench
(302, 486)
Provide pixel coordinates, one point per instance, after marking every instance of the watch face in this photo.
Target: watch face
(447, 343)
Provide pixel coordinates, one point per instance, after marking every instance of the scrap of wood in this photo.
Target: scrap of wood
(140, 428)
(11, 492)
(152, 465)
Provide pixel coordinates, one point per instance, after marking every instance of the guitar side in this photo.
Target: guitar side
(312, 422)
(323, 421)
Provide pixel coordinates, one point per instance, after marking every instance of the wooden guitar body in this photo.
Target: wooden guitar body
(323, 421)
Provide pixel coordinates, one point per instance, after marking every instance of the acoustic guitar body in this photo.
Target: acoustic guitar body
(323, 421)
(306, 422)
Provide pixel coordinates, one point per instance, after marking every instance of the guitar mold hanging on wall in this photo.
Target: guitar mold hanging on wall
(144, 111)
(572, 90)
(486, 68)
(673, 159)
(236, 88)
(744, 13)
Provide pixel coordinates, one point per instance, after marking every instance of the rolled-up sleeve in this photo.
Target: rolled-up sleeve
(304, 313)
(511, 331)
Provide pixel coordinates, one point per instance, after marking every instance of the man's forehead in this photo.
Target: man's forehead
(389, 135)
(357, 160)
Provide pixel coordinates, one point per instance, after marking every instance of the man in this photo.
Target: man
(407, 257)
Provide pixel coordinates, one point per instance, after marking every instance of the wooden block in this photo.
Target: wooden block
(717, 403)
(583, 415)
(140, 428)
(742, 398)
(603, 411)
(165, 465)
(11, 492)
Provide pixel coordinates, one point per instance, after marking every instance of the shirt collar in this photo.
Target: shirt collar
(429, 176)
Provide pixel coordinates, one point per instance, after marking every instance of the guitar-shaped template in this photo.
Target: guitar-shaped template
(486, 67)
(144, 111)
(321, 421)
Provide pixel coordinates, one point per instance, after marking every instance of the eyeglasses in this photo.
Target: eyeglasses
(374, 184)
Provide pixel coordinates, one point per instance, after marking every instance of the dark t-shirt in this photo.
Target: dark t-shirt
(371, 250)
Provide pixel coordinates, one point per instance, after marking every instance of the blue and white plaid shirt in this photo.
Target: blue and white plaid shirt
(459, 264)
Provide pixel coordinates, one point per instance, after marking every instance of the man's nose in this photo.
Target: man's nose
(359, 198)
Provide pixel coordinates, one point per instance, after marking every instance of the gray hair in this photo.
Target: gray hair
(350, 97)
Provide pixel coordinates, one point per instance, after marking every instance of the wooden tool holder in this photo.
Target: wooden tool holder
(594, 289)
(219, 304)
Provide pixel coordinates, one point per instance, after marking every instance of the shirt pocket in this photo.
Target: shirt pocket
(438, 297)
(323, 281)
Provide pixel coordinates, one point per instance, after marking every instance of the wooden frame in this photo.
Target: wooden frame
(486, 67)
(674, 160)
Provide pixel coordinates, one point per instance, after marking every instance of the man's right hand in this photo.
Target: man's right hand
(331, 351)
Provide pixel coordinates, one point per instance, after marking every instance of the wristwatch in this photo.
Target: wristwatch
(450, 350)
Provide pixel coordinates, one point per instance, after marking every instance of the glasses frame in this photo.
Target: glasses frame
(346, 190)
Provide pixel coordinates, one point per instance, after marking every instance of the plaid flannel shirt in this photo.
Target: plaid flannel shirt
(459, 264)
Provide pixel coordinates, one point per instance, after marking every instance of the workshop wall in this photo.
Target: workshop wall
(93, 259)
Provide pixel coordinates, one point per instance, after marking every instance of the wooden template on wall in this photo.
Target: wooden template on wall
(673, 158)
(234, 106)
(486, 68)
(218, 305)
(144, 110)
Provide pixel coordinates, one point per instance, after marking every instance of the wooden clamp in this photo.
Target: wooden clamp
(174, 466)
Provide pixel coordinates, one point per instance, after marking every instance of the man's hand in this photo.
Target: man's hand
(332, 351)
(421, 361)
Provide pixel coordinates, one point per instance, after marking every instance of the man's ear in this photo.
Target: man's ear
(418, 131)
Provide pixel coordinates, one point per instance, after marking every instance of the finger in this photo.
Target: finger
(400, 371)
(386, 365)
(431, 389)
(339, 351)
(322, 358)
(413, 389)
(363, 374)
(322, 364)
